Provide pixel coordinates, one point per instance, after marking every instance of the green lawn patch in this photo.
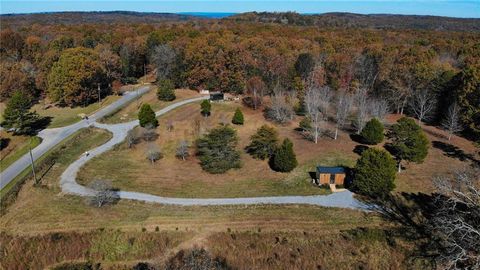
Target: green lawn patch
(6, 161)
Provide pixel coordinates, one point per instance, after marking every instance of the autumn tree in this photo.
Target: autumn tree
(304, 65)
(468, 92)
(255, 89)
(109, 62)
(74, 79)
(343, 108)
(103, 193)
(163, 57)
(17, 76)
(422, 104)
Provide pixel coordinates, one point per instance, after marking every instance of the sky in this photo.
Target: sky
(451, 8)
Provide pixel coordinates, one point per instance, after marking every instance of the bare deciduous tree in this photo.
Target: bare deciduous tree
(457, 220)
(363, 108)
(163, 57)
(280, 110)
(422, 104)
(170, 125)
(148, 133)
(452, 121)
(153, 153)
(104, 193)
(379, 108)
(344, 105)
(317, 102)
(182, 150)
(133, 137)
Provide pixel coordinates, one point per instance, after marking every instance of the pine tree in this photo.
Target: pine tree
(284, 158)
(238, 117)
(374, 173)
(206, 107)
(17, 115)
(409, 141)
(263, 143)
(372, 133)
(147, 117)
(216, 150)
(165, 91)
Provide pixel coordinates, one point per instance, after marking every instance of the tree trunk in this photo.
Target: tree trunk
(399, 166)
(336, 132)
(449, 136)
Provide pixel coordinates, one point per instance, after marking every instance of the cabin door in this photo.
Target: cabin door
(332, 178)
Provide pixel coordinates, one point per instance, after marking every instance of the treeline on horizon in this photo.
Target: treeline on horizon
(66, 63)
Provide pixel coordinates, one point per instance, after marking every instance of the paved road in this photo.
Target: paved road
(69, 185)
(53, 136)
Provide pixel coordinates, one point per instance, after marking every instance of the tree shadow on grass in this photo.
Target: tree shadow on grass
(453, 151)
(4, 143)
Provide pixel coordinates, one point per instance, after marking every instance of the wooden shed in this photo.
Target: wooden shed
(330, 175)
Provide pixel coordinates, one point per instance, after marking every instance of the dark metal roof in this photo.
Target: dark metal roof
(331, 170)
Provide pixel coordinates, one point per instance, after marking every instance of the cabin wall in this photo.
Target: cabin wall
(339, 179)
(324, 178)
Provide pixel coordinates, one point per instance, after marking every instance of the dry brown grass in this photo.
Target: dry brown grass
(130, 111)
(130, 170)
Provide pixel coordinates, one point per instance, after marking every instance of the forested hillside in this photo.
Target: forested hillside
(374, 21)
(65, 63)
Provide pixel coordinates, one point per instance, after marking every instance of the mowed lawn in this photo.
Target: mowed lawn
(64, 116)
(129, 169)
(16, 147)
(130, 112)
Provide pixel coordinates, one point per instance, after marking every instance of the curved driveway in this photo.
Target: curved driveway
(53, 136)
(69, 185)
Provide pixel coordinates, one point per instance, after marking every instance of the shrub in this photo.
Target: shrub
(216, 150)
(238, 117)
(305, 124)
(153, 154)
(284, 159)
(374, 173)
(165, 91)
(206, 107)
(263, 143)
(196, 259)
(372, 133)
(146, 116)
(104, 193)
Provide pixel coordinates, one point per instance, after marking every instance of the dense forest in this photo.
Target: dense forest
(65, 61)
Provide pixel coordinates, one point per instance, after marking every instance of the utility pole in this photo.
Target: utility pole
(31, 161)
(99, 97)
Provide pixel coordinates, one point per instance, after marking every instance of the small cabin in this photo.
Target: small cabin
(330, 175)
(217, 96)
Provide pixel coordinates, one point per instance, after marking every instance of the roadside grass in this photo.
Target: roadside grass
(76, 144)
(130, 111)
(18, 150)
(3, 105)
(64, 116)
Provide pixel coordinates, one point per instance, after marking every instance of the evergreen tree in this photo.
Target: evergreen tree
(263, 143)
(372, 133)
(409, 141)
(374, 173)
(216, 150)
(17, 115)
(238, 117)
(206, 107)
(147, 117)
(306, 124)
(165, 91)
(284, 158)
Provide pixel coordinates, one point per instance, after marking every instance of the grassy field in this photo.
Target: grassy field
(16, 148)
(130, 112)
(130, 170)
(64, 116)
